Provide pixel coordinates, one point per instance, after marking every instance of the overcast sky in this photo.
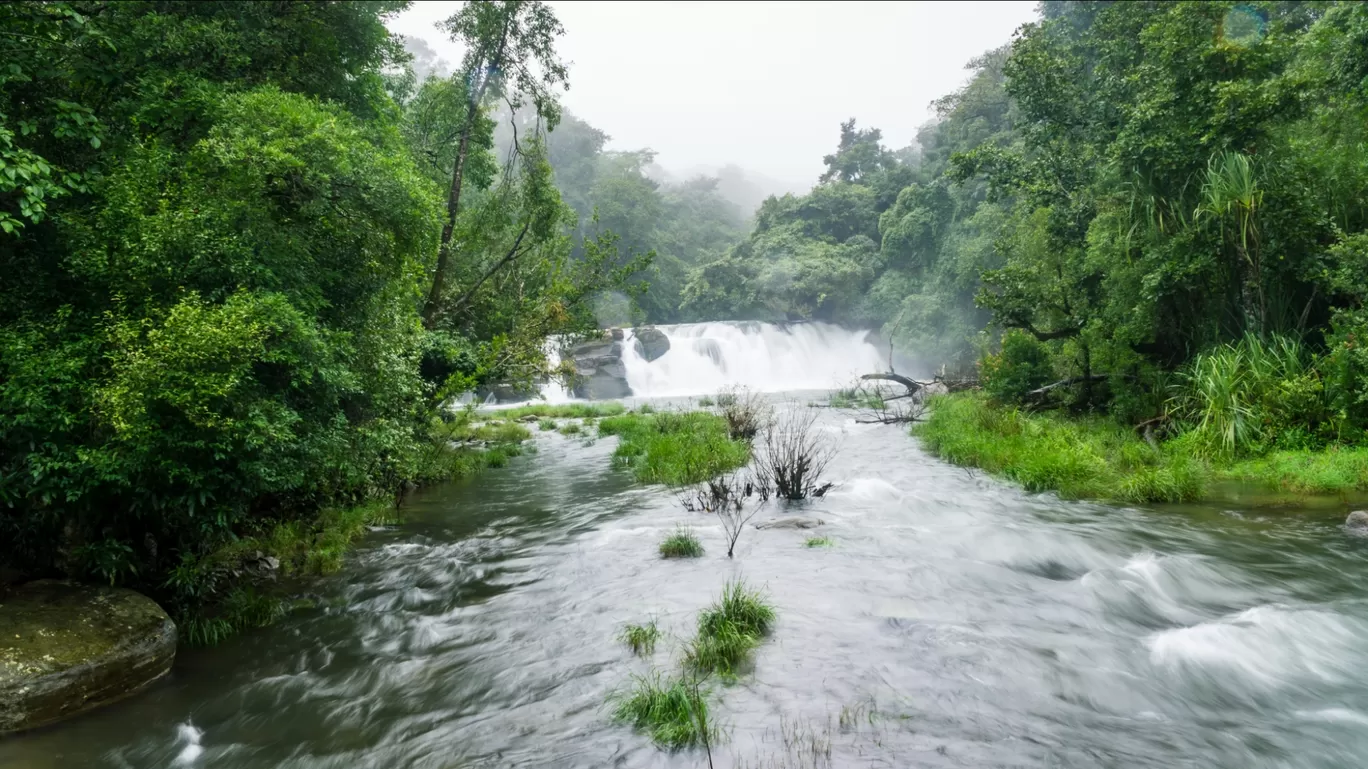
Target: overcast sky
(764, 85)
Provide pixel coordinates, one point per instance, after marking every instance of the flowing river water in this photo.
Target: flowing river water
(956, 621)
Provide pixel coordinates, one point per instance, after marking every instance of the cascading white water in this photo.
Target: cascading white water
(766, 357)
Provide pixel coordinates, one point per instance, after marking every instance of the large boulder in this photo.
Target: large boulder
(599, 371)
(67, 648)
(651, 342)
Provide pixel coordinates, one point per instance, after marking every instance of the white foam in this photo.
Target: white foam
(871, 490)
(189, 737)
(1271, 645)
(706, 357)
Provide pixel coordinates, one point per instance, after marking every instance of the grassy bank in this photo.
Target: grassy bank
(675, 448)
(1096, 458)
(248, 582)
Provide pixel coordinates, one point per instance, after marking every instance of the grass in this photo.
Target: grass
(571, 428)
(856, 398)
(819, 542)
(676, 448)
(681, 544)
(1076, 457)
(559, 411)
(1095, 458)
(546, 424)
(641, 638)
(729, 630)
(674, 712)
(706, 401)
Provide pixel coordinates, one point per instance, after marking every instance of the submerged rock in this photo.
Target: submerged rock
(651, 342)
(792, 522)
(67, 648)
(1357, 523)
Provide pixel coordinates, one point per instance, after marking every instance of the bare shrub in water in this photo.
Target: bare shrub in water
(732, 498)
(745, 412)
(793, 455)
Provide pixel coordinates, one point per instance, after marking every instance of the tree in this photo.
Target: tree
(510, 53)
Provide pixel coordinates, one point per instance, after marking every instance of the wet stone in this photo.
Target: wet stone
(67, 648)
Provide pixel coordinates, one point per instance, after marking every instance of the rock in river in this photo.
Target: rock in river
(599, 370)
(1357, 523)
(67, 648)
(651, 342)
(792, 522)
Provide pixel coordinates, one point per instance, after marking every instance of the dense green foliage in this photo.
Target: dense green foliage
(222, 236)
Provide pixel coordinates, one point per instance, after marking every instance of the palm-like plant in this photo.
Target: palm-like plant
(1231, 195)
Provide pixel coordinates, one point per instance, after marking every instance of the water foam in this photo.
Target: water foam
(706, 357)
(189, 738)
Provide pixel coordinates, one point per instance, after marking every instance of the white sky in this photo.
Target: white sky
(764, 85)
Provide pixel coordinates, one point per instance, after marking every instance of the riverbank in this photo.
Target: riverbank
(1096, 458)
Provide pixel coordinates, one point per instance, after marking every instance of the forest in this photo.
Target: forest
(250, 250)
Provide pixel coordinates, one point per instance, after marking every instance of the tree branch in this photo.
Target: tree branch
(512, 254)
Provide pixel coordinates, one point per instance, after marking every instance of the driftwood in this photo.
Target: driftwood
(912, 385)
(1073, 380)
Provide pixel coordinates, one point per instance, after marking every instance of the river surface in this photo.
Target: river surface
(956, 622)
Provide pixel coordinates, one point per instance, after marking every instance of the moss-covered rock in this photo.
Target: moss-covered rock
(67, 648)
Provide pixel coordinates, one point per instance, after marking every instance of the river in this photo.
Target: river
(955, 622)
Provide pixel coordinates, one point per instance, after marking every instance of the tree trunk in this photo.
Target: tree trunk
(434, 298)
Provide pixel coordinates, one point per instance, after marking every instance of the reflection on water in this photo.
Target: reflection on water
(955, 622)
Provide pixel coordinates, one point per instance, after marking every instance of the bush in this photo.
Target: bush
(745, 412)
(1244, 398)
(1022, 365)
(793, 456)
(681, 544)
(729, 498)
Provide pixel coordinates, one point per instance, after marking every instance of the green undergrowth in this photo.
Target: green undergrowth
(558, 411)
(681, 544)
(246, 583)
(1096, 458)
(675, 448)
(1333, 470)
(819, 542)
(1079, 458)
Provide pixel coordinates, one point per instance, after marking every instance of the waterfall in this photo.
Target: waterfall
(706, 357)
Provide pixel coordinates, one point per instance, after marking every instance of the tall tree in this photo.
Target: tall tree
(510, 55)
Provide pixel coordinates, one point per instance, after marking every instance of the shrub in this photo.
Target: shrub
(681, 544)
(1022, 365)
(706, 401)
(641, 638)
(793, 456)
(1243, 398)
(745, 412)
(729, 498)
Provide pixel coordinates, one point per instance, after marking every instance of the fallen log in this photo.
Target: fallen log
(1073, 380)
(912, 385)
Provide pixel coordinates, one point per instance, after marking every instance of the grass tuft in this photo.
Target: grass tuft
(741, 608)
(546, 424)
(559, 411)
(641, 638)
(570, 428)
(819, 542)
(681, 544)
(706, 401)
(673, 712)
